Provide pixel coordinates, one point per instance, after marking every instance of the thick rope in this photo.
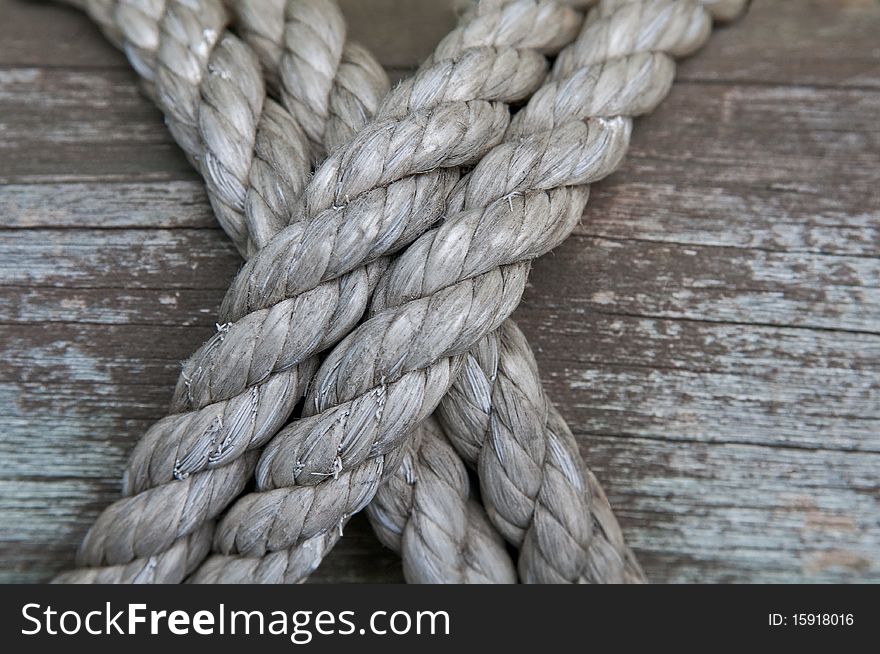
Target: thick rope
(536, 489)
(170, 565)
(526, 479)
(281, 31)
(332, 85)
(190, 465)
(252, 154)
(263, 28)
(373, 196)
(189, 446)
(458, 282)
(499, 419)
(424, 512)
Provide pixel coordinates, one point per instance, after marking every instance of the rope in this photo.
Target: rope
(499, 417)
(350, 173)
(170, 565)
(330, 84)
(190, 465)
(371, 197)
(458, 282)
(199, 442)
(424, 512)
(536, 489)
(278, 35)
(208, 85)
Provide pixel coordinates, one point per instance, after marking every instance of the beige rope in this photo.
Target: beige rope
(359, 207)
(499, 418)
(534, 484)
(330, 84)
(209, 86)
(331, 194)
(191, 464)
(424, 512)
(280, 31)
(198, 441)
(456, 283)
(169, 565)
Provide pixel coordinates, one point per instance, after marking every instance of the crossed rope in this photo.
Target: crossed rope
(380, 288)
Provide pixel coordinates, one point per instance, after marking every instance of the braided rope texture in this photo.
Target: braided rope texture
(275, 29)
(534, 484)
(190, 465)
(330, 84)
(455, 284)
(344, 183)
(501, 421)
(424, 512)
(373, 196)
(208, 83)
(187, 443)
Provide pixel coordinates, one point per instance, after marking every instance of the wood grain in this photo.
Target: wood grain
(711, 331)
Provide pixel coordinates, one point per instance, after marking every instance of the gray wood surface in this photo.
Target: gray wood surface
(711, 331)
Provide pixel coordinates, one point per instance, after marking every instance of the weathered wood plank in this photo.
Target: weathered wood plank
(731, 285)
(50, 34)
(403, 32)
(761, 183)
(774, 218)
(826, 43)
(118, 258)
(116, 305)
(689, 381)
(779, 47)
(624, 276)
(94, 119)
(785, 169)
(743, 513)
(712, 333)
(798, 139)
(102, 205)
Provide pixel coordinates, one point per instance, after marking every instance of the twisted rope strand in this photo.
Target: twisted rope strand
(424, 512)
(279, 33)
(262, 22)
(353, 219)
(459, 282)
(409, 139)
(537, 490)
(191, 464)
(332, 85)
(180, 451)
(499, 418)
(175, 563)
(252, 153)
(410, 194)
(346, 199)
